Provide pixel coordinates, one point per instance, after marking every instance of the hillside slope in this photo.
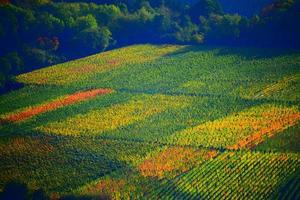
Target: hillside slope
(157, 122)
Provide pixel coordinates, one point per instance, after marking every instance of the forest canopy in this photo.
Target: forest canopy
(37, 33)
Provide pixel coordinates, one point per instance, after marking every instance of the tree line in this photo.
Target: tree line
(37, 33)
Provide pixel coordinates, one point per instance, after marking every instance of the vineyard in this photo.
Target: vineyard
(157, 122)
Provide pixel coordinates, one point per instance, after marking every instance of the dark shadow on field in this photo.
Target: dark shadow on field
(15, 190)
(286, 141)
(85, 197)
(291, 188)
(174, 192)
(10, 86)
(189, 48)
(256, 53)
(64, 166)
(244, 52)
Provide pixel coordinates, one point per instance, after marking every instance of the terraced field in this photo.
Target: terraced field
(157, 122)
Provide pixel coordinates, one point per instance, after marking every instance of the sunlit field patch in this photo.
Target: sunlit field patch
(63, 101)
(173, 161)
(193, 86)
(116, 116)
(66, 73)
(240, 130)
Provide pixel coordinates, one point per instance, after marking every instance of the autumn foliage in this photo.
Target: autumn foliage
(274, 127)
(3, 2)
(173, 160)
(67, 100)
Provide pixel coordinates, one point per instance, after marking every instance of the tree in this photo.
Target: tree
(39, 195)
(145, 13)
(205, 8)
(188, 32)
(50, 44)
(86, 22)
(5, 66)
(30, 3)
(107, 14)
(2, 81)
(222, 29)
(49, 25)
(4, 2)
(16, 62)
(39, 57)
(93, 39)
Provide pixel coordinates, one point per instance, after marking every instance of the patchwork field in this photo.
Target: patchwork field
(157, 122)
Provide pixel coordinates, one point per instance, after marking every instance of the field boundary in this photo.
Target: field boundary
(211, 95)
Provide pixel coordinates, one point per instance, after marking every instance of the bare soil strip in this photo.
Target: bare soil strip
(67, 100)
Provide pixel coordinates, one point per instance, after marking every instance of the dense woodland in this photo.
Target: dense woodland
(37, 33)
